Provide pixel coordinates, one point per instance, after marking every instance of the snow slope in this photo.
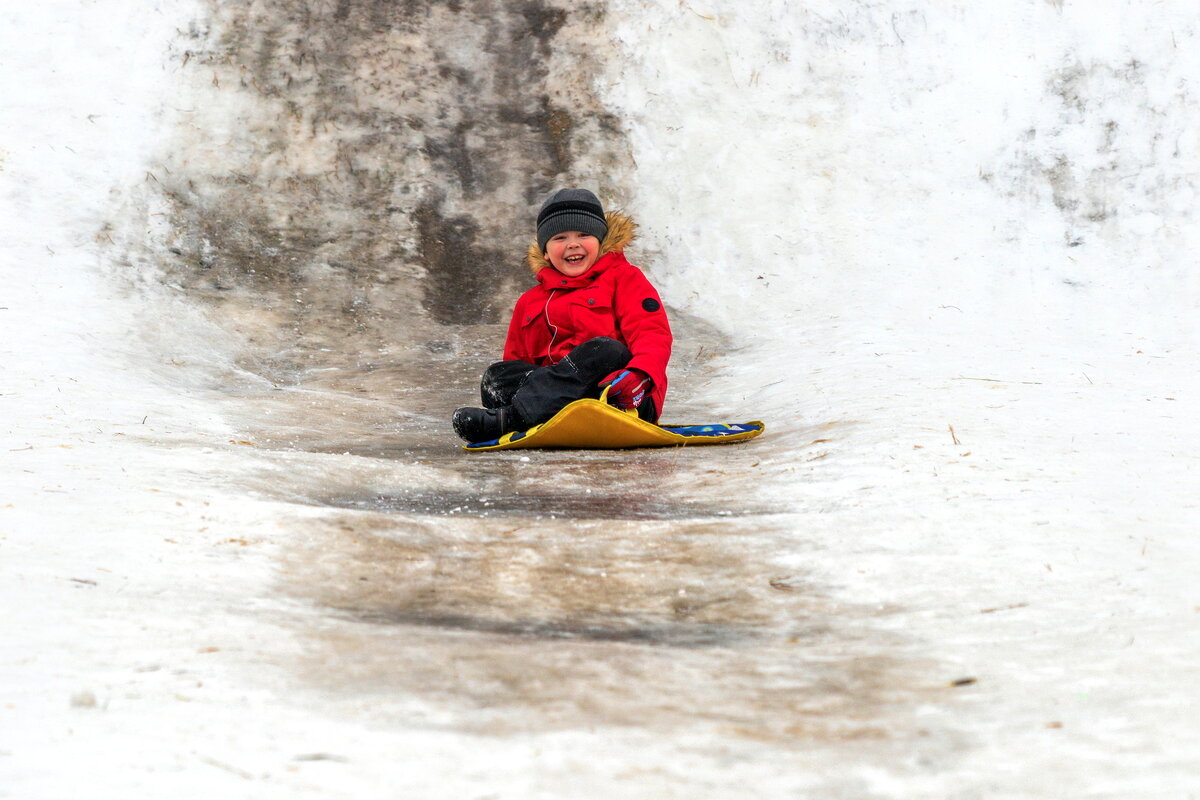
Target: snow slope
(965, 237)
(952, 248)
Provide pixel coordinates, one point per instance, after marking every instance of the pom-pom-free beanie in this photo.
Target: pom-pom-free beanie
(570, 210)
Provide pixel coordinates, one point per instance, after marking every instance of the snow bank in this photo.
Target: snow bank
(106, 513)
(1036, 162)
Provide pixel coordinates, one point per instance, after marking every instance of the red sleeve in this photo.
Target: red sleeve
(643, 323)
(514, 349)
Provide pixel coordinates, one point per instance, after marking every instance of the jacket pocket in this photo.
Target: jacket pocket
(592, 315)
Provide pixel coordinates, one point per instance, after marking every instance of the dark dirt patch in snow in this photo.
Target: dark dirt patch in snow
(526, 624)
(548, 503)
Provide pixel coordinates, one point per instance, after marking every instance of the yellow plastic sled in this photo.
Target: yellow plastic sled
(594, 424)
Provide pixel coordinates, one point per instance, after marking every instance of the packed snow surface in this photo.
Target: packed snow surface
(945, 250)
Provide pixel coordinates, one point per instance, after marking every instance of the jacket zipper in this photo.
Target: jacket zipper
(553, 327)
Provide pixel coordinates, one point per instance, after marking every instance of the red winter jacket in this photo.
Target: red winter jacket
(613, 298)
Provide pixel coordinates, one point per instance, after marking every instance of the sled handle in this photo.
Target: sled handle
(604, 399)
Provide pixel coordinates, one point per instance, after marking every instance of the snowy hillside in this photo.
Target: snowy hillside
(253, 254)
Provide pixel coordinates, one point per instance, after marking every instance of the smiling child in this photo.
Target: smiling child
(593, 320)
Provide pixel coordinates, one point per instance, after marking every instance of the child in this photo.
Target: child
(592, 320)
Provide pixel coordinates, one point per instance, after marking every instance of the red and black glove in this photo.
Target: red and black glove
(627, 388)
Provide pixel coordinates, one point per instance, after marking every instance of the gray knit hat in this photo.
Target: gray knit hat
(570, 210)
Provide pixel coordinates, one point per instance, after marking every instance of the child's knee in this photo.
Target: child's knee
(501, 381)
(493, 373)
(603, 352)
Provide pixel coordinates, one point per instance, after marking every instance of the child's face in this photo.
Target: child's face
(573, 252)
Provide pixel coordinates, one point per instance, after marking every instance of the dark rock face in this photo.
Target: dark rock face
(359, 166)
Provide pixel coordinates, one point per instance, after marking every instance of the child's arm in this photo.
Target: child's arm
(513, 351)
(644, 326)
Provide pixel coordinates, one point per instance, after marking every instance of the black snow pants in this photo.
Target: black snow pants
(538, 393)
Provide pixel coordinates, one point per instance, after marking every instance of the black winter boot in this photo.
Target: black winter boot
(484, 424)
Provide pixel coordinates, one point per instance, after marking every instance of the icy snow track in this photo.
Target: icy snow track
(555, 590)
(254, 254)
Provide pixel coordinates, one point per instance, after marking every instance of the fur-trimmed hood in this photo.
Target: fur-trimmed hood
(621, 231)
